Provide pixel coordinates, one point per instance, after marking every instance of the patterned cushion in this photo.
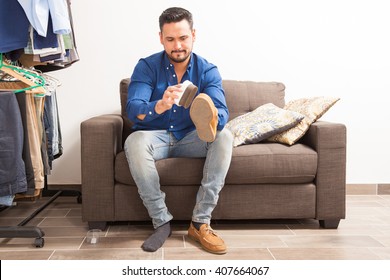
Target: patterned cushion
(261, 123)
(313, 109)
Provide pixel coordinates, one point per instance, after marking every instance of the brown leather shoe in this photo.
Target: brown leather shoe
(209, 240)
(205, 117)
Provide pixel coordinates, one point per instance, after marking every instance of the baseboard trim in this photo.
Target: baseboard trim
(368, 189)
(67, 189)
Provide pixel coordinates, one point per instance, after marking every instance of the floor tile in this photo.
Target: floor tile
(363, 235)
(323, 254)
(253, 229)
(63, 222)
(134, 241)
(382, 253)
(49, 243)
(253, 241)
(232, 254)
(383, 239)
(35, 254)
(330, 241)
(64, 231)
(103, 254)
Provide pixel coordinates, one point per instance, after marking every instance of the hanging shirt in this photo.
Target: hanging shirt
(152, 76)
(14, 26)
(37, 12)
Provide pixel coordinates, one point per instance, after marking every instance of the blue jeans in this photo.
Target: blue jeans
(143, 148)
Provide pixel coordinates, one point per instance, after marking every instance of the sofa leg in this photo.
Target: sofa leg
(330, 223)
(97, 225)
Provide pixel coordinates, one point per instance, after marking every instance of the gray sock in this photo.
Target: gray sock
(157, 239)
(197, 225)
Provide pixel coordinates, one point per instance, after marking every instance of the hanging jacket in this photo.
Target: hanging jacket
(14, 26)
(12, 169)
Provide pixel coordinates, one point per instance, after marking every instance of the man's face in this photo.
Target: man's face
(177, 39)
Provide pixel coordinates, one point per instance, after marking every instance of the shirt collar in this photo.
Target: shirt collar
(167, 64)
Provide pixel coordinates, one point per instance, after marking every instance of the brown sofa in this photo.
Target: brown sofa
(265, 180)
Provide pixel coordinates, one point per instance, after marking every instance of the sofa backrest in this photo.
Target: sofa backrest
(245, 96)
(241, 96)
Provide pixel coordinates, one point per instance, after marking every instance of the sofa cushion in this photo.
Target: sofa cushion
(272, 163)
(251, 164)
(261, 123)
(313, 108)
(245, 96)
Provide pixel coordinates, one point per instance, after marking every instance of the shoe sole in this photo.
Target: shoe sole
(202, 114)
(205, 248)
(188, 96)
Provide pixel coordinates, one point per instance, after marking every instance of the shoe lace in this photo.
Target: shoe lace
(209, 230)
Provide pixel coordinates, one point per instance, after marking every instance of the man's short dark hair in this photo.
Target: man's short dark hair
(175, 14)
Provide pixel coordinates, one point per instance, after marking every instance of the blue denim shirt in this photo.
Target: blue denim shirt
(152, 76)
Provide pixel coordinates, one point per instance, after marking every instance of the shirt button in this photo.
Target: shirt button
(174, 111)
(150, 113)
(171, 126)
(174, 75)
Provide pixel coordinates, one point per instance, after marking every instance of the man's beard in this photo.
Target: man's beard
(180, 59)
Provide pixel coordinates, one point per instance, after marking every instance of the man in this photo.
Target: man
(165, 129)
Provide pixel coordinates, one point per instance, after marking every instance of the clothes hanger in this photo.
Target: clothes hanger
(51, 83)
(33, 81)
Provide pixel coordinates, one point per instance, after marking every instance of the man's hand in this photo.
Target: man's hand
(168, 99)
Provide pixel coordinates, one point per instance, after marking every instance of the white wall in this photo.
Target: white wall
(333, 48)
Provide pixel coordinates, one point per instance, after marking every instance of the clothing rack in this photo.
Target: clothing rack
(22, 231)
(27, 46)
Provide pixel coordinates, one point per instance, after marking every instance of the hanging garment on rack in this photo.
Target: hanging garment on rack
(35, 140)
(30, 102)
(14, 26)
(52, 126)
(42, 144)
(48, 41)
(7, 200)
(12, 168)
(57, 136)
(46, 49)
(39, 106)
(26, 155)
(21, 98)
(38, 12)
(20, 40)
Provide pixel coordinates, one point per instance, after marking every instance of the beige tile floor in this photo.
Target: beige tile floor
(363, 235)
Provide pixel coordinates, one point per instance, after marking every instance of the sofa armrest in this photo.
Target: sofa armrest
(329, 140)
(101, 140)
